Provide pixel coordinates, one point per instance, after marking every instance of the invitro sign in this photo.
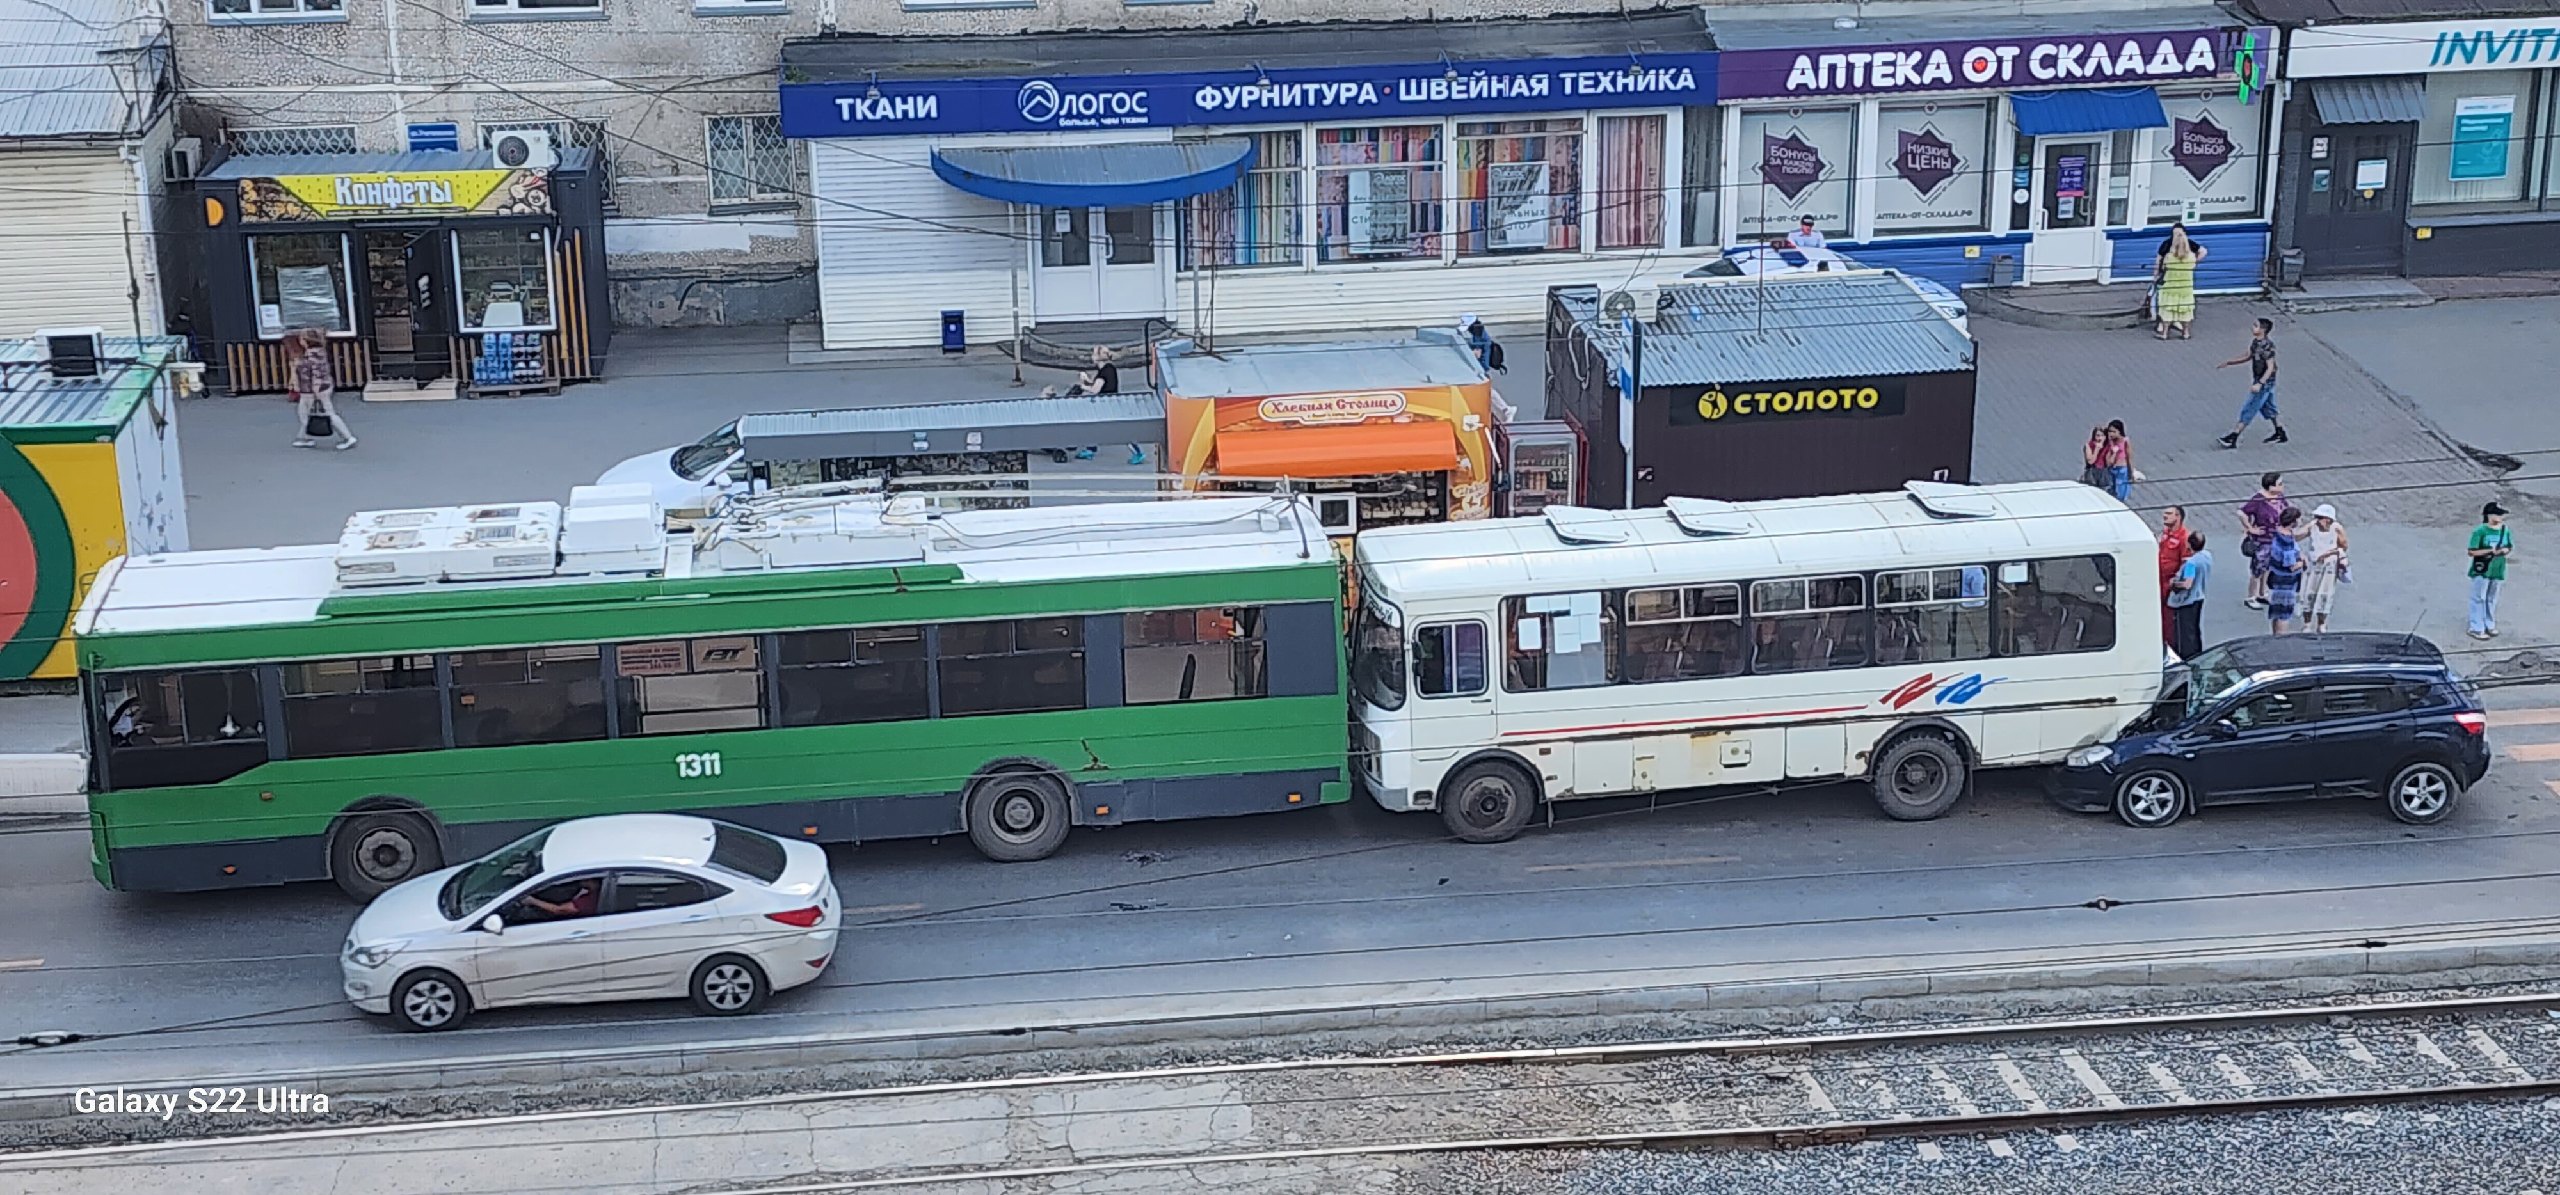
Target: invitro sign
(2421, 47)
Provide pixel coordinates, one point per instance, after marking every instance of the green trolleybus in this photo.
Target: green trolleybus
(836, 669)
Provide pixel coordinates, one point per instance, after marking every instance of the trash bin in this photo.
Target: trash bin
(2004, 269)
(2289, 269)
(955, 332)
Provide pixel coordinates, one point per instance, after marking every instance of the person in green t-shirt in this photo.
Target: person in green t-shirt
(2490, 544)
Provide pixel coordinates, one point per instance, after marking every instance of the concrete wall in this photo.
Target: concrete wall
(651, 72)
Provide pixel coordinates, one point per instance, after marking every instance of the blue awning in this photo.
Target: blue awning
(1118, 175)
(2087, 110)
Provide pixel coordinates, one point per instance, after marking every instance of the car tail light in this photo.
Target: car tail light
(2473, 721)
(799, 918)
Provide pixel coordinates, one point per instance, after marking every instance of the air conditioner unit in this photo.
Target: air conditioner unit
(73, 352)
(526, 149)
(395, 547)
(186, 159)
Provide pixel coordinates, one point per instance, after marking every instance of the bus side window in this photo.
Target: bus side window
(1449, 659)
(1559, 641)
(2055, 607)
(180, 727)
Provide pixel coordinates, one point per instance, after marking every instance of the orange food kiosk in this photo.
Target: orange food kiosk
(1377, 432)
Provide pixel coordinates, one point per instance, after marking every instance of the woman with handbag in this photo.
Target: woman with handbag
(315, 389)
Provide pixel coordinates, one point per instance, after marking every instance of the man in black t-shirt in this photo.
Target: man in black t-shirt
(2261, 360)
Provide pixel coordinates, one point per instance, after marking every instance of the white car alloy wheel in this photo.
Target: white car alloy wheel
(428, 1001)
(727, 986)
(2151, 799)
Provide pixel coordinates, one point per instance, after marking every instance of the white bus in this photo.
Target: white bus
(1903, 638)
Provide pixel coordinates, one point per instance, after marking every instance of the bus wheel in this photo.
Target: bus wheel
(373, 852)
(1016, 817)
(1487, 802)
(1919, 777)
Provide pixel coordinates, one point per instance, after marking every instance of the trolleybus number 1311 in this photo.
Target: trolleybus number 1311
(695, 765)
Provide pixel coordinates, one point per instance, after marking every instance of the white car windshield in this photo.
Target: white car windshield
(695, 461)
(479, 883)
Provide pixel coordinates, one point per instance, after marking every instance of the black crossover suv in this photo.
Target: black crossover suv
(2280, 717)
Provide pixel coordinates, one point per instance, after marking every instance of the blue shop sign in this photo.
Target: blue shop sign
(1248, 96)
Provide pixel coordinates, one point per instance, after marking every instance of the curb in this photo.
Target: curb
(2320, 970)
(43, 783)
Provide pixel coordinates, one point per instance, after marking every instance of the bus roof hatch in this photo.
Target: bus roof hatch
(1708, 516)
(1947, 500)
(1583, 525)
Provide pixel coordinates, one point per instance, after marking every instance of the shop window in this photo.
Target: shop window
(1797, 162)
(1519, 186)
(1631, 182)
(1933, 173)
(839, 678)
(506, 278)
(528, 695)
(1558, 641)
(251, 10)
(1701, 131)
(682, 686)
(2054, 607)
(2208, 157)
(1808, 624)
(1207, 654)
(1378, 193)
(1933, 615)
(749, 160)
(1683, 633)
(180, 727)
(372, 705)
(1256, 222)
(308, 139)
(492, 7)
(1016, 666)
(302, 281)
(2471, 145)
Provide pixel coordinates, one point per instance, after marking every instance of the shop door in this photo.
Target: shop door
(405, 304)
(2070, 240)
(1099, 263)
(2344, 227)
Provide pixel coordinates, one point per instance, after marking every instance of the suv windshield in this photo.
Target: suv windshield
(1377, 657)
(479, 883)
(695, 461)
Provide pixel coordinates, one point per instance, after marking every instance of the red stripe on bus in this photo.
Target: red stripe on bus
(1836, 709)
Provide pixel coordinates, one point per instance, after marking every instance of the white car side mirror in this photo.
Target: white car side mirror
(493, 924)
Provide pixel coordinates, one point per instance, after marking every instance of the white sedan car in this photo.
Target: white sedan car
(629, 907)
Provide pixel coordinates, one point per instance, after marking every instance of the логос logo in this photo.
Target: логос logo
(1038, 101)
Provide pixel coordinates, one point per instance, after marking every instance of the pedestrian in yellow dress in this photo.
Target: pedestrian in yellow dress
(2178, 285)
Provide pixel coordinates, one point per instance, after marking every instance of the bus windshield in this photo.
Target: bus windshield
(1377, 657)
(695, 461)
(488, 879)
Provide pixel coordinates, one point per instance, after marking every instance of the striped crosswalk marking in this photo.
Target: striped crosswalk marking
(2546, 715)
(2533, 752)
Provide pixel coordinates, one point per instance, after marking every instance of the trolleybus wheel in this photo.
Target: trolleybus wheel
(371, 853)
(1488, 801)
(1920, 776)
(1015, 817)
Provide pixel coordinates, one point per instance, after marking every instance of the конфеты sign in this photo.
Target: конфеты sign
(1137, 101)
(1728, 405)
(1991, 63)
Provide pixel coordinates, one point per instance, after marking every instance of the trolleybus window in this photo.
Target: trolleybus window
(181, 727)
(1933, 615)
(680, 686)
(1012, 667)
(2053, 607)
(1205, 654)
(1377, 656)
(1807, 624)
(1682, 633)
(1558, 641)
(367, 706)
(840, 678)
(1449, 659)
(528, 695)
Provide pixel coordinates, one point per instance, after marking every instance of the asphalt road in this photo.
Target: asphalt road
(1335, 907)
